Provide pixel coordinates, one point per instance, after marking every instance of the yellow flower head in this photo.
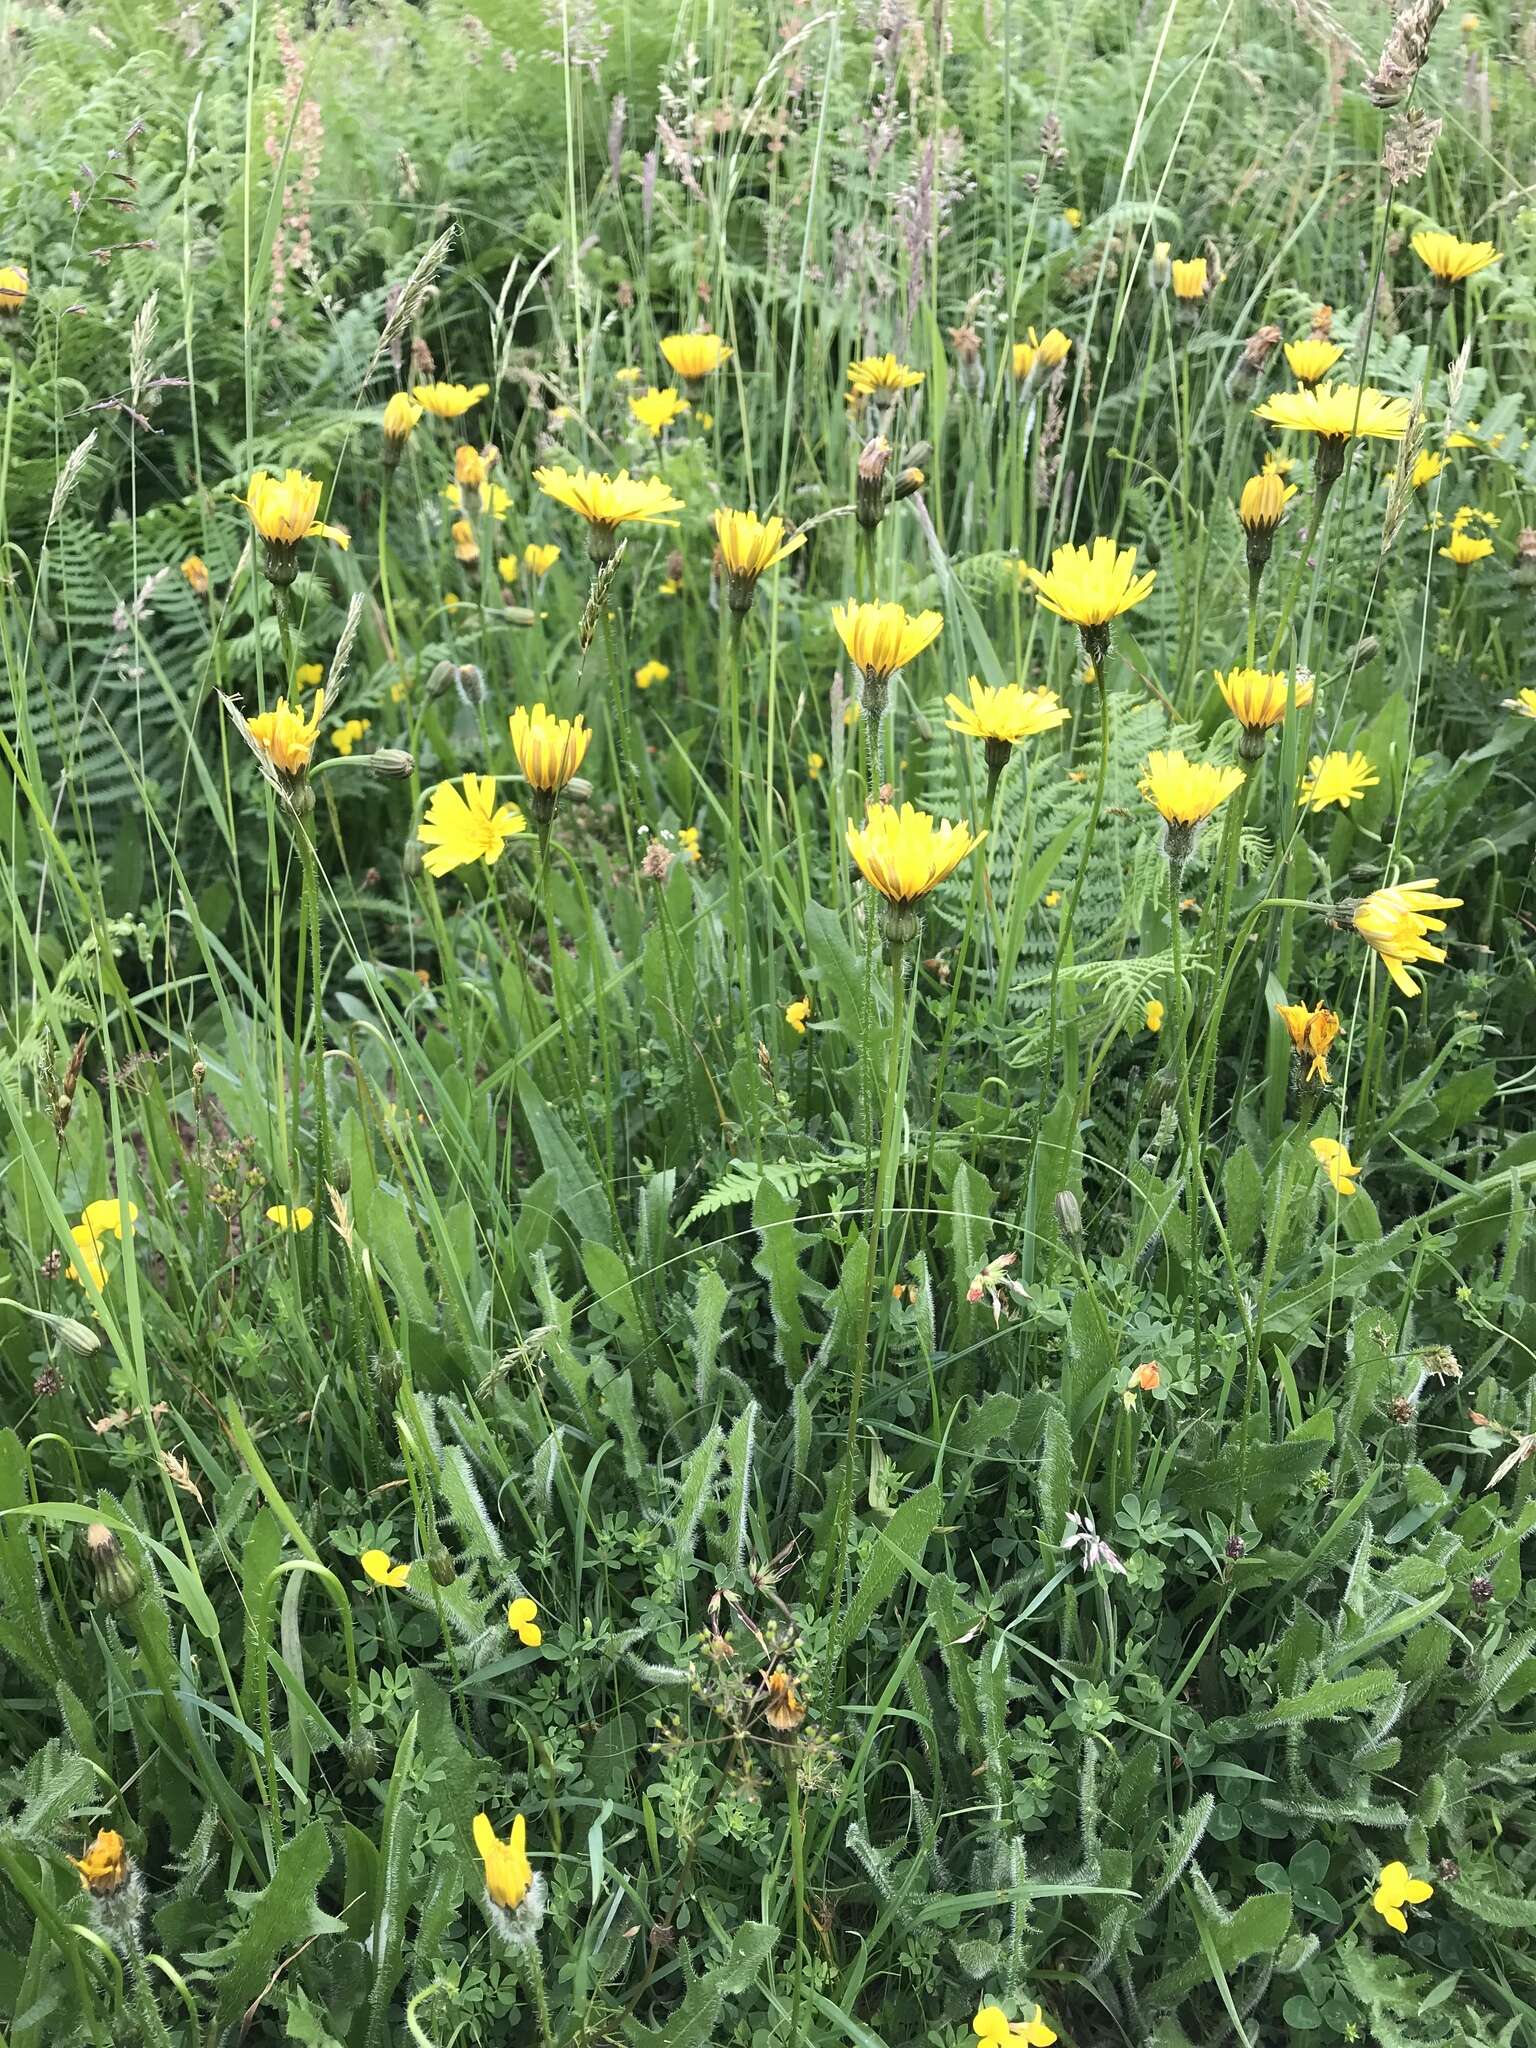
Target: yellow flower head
(1312, 359)
(465, 546)
(905, 853)
(1466, 548)
(688, 840)
(785, 1710)
(283, 509)
(608, 502)
(195, 569)
(523, 1620)
(814, 763)
(86, 1237)
(539, 558)
(1153, 1016)
(381, 1568)
(110, 1217)
(462, 826)
(658, 410)
(881, 377)
(1523, 704)
(493, 499)
(14, 286)
(286, 737)
(1264, 499)
(1006, 715)
(471, 469)
(1394, 922)
(750, 546)
(1453, 261)
(1395, 1889)
(1257, 698)
(1073, 216)
(508, 1873)
(629, 374)
(1040, 352)
(1092, 585)
(1335, 1161)
(1312, 1034)
(1427, 465)
(1185, 792)
(449, 401)
(348, 733)
(104, 1866)
(309, 675)
(288, 1219)
(402, 416)
(1191, 279)
(881, 638)
(549, 750)
(1338, 412)
(797, 1013)
(651, 672)
(993, 2029)
(1337, 778)
(693, 357)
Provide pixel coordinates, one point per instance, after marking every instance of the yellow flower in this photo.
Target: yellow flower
(286, 737)
(1154, 1015)
(1257, 698)
(348, 733)
(493, 499)
(1466, 548)
(309, 675)
(1523, 705)
(1264, 499)
(1312, 359)
(628, 375)
(470, 468)
(285, 1218)
(749, 547)
(465, 545)
(449, 401)
(508, 1873)
(881, 377)
(1090, 585)
(688, 840)
(1191, 279)
(669, 586)
(785, 1710)
(379, 1567)
(87, 1243)
(693, 356)
(1006, 715)
(402, 416)
(522, 1619)
(608, 502)
(903, 854)
(549, 750)
(1426, 467)
(1337, 413)
(1186, 792)
(1040, 352)
(881, 639)
(852, 713)
(1312, 1034)
(796, 1013)
(539, 558)
(651, 672)
(283, 512)
(1073, 216)
(14, 286)
(104, 1866)
(1453, 261)
(462, 827)
(1395, 1889)
(814, 763)
(107, 1219)
(1336, 778)
(657, 410)
(1393, 923)
(1335, 1161)
(195, 569)
(1051, 898)
(993, 2029)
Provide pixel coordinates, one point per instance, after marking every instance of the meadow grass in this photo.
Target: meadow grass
(613, 1433)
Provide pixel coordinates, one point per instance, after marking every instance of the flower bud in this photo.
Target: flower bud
(1069, 1219)
(118, 1579)
(392, 764)
(440, 1564)
(77, 1336)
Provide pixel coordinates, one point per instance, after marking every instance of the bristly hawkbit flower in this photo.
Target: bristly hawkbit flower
(1427, 465)
(1090, 586)
(513, 1893)
(463, 826)
(381, 1568)
(881, 640)
(539, 558)
(1260, 510)
(903, 854)
(1395, 1889)
(1337, 414)
(523, 1620)
(1336, 778)
(693, 357)
(195, 570)
(657, 410)
(1191, 280)
(283, 512)
(1312, 1034)
(609, 502)
(1394, 922)
(1184, 793)
(1257, 699)
(1335, 1161)
(402, 416)
(549, 751)
(104, 1866)
(1040, 353)
(14, 287)
(466, 546)
(1312, 359)
(286, 738)
(115, 1889)
(749, 548)
(1523, 704)
(785, 1710)
(881, 378)
(1003, 718)
(1465, 548)
(1451, 261)
(449, 401)
(993, 2029)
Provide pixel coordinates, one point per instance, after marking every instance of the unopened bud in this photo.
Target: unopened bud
(392, 764)
(440, 1564)
(118, 1579)
(1069, 1219)
(74, 1334)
